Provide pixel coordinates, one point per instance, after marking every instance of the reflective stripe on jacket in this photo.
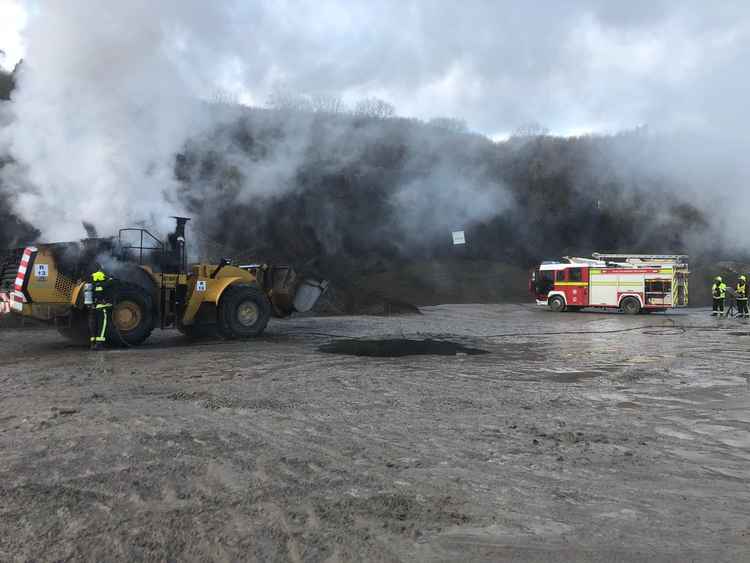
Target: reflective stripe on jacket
(719, 290)
(102, 288)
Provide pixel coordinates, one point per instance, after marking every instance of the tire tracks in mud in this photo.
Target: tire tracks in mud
(269, 449)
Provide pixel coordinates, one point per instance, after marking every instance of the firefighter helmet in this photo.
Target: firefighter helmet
(98, 274)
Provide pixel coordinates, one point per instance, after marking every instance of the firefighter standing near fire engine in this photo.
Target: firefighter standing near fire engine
(719, 293)
(100, 309)
(741, 292)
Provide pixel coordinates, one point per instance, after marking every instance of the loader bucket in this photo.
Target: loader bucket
(308, 294)
(287, 291)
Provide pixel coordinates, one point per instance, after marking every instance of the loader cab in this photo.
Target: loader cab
(165, 263)
(140, 246)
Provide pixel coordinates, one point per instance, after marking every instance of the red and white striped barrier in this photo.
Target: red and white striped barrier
(17, 298)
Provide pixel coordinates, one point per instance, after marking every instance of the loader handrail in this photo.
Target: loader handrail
(159, 246)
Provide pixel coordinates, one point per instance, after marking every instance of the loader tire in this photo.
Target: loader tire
(75, 327)
(630, 306)
(132, 316)
(557, 304)
(244, 311)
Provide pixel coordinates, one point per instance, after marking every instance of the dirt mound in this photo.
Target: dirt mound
(371, 203)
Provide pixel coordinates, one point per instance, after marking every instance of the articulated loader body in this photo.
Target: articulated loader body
(153, 287)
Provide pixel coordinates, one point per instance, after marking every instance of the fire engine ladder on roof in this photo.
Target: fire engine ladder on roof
(639, 259)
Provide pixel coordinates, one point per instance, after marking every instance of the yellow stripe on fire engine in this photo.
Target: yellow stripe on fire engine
(577, 284)
(618, 283)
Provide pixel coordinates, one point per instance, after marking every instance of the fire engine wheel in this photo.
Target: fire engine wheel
(557, 304)
(630, 306)
(132, 316)
(244, 311)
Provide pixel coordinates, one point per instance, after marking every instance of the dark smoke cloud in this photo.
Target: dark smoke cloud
(90, 229)
(13, 230)
(354, 182)
(6, 85)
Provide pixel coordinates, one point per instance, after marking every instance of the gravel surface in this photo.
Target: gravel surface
(578, 437)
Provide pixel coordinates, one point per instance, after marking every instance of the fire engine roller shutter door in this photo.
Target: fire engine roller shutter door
(603, 288)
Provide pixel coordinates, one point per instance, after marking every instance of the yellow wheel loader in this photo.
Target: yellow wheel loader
(152, 286)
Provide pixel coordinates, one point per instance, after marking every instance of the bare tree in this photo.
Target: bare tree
(224, 97)
(530, 129)
(284, 99)
(374, 107)
(326, 103)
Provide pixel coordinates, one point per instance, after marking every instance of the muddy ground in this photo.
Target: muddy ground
(579, 437)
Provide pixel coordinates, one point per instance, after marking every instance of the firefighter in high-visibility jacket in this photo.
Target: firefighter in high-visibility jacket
(719, 293)
(101, 310)
(742, 297)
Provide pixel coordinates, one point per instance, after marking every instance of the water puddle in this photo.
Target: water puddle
(573, 376)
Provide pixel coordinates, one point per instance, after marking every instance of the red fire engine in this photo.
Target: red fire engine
(629, 282)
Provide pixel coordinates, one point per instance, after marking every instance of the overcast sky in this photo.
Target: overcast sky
(12, 21)
(572, 66)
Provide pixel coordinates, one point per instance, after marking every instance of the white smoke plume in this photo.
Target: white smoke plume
(110, 91)
(102, 106)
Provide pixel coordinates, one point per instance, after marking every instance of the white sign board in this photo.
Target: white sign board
(459, 237)
(200, 286)
(42, 272)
